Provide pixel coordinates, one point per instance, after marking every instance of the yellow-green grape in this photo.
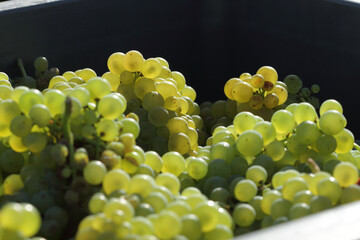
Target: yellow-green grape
(344, 141)
(177, 125)
(319, 203)
(5, 92)
(133, 61)
(189, 92)
(115, 63)
(128, 140)
(208, 214)
(75, 108)
(244, 214)
(332, 122)
(142, 226)
(315, 88)
(35, 142)
(16, 144)
(346, 174)
(157, 200)
(184, 106)
(154, 160)
(271, 100)
(94, 172)
(269, 74)
(281, 92)
(242, 92)
(77, 80)
(62, 86)
(85, 74)
(292, 186)
(326, 144)
(191, 105)
(163, 61)
(179, 142)
(142, 86)
(115, 204)
(228, 87)
(55, 99)
(167, 220)
(151, 68)
(257, 81)
(244, 75)
(158, 116)
(350, 194)
(293, 83)
(98, 87)
(180, 80)
(141, 184)
(280, 208)
(268, 198)
(330, 104)
(275, 150)
(21, 126)
(9, 109)
(127, 77)
(257, 174)
(307, 132)
(30, 220)
(197, 168)
(30, 98)
(80, 93)
(191, 226)
(267, 131)
(249, 143)
(11, 216)
(107, 129)
(166, 89)
(69, 74)
(283, 121)
(152, 99)
(305, 111)
(12, 184)
(170, 181)
(173, 162)
(165, 72)
(97, 202)
(55, 80)
(330, 188)
(112, 106)
(131, 161)
(4, 76)
(17, 92)
(255, 203)
(244, 121)
(245, 190)
(113, 79)
(129, 125)
(303, 196)
(299, 210)
(116, 179)
(11, 161)
(5, 82)
(256, 102)
(40, 115)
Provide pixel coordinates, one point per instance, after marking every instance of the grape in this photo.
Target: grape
(244, 214)
(316, 179)
(242, 92)
(40, 115)
(330, 104)
(344, 141)
(166, 89)
(271, 100)
(94, 172)
(330, 188)
(116, 179)
(86, 74)
(292, 186)
(97, 202)
(82, 94)
(304, 111)
(141, 184)
(143, 86)
(245, 190)
(299, 210)
(5, 92)
(249, 143)
(173, 162)
(115, 204)
(332, 122)
(281, 92)
(346, 174)
(207, 213)
(115, 63)
(169, 181)
(307, 132)
(256, 102)
(197, 168)
(133, 61)
(16, 144)
(294, 83)
(98, 87)
(180, 79)
(189, 92)
(275, 150)
(326, 144)
(267, 131)
(9, 109)
(11, 161)
(228, 87)
(283, 121)
(4, 76)
(222, 150)
(257, 81)
(30, 220)
(152, 99)
(179, 142)
(158, 116)
(129, 125)
(303, 196)
(167, 220)
(280, 208)
(55, 99)
(350, 194)
(269, 73)
(153, 160)
(177, 125)
(268, 198)
(35, 142)
(56, 79)
(106, 129)
(319, 203)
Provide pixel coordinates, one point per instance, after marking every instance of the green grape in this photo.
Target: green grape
(222, 150)
(305, 112)
(69, 74)
(346, 174)
(166, 89)
(98, 87)
(158, 116)
(299, 210)
(4, 76)
(116, 179)
(330, 104)
(242, 92)
(319, 203)
(218, 109)
(86, 74)
(131, 161)
(292, 186)
(179, 142)
(141, 184)
(177, 125)
(245, 190)
(190, 191)
(30, 220)
(9, 109)
(189, 92)
(213, 182)
(267, 131)
(18, 91)
(239, 166)
(97, 202)
(350, 194)
(35, 142)
(307, 132)
(179, 79)
(80, 93)
(344, 141)
(181, 208)
(11, 161)
(294, 145)
(220, 195)
(16, 144)
(168, 180)
(303, 196)
(157, 200)
(94, 172)
(143, 86)
(133, 61)
(315, 179)
(330, 188)
(13, 213)
(197, 168)
(113, 79)
(219, 232)
(167, 220)
(152, 99)
(107, 129)
(153, 160)
(268, 198)
(207, 213)
(129, 125)
(115, 204)
(54, 100)
(12, 184)
(267, 221)
(283, 121)
(142, 226)
(244, 121)
(219, 167)
(315, 88)
(275, 150)
(255, 203)
(56, 79)
(40, 115)
(249, 143)
(173, 162)
(267, 163)
(5, 92)
(115, 63)
(294, 83)
(291, 107)
(151, 68)
(244, 214)
(332, 122)
(326, 144)
(280, 208)
(257, 174)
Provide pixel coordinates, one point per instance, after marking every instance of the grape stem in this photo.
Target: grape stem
(356, 146)
(21, 67)
(67, 131)
(313, 165)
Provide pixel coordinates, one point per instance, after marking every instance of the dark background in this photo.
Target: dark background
(209, 41)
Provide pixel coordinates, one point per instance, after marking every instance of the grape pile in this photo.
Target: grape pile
(131, 155)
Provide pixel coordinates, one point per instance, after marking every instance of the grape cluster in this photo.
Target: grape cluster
(130, 154)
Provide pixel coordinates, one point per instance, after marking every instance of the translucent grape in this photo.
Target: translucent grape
(346, 174)
(115, 63)
(170, 181)
(280, 208)
(188, 91)
(271, 100)
(82, 94)
(94, 172)
(276, 150)
(167, 220)
(55, 99)
(107, 129)
(173, 162)
(269, 73)
(179, 142)
(197, 168)
(330, 104)
(350, 194)
(283, 121)
(30, 220)
(292, 186)
(35, 141)
(249, 143)
(299, 210)
(305, 111)
(319, 203)
(294, 83)
(257, 174)
(332, 122)
(242, 92)
(307, 132)
(326, 144)
(133, 61)
(344, 141)
(86, 74)
(268, 198)
(40, 115)
(245, 190)
(244, 214)
(116, 179)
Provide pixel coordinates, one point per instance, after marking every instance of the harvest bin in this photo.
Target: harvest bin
(209, 41)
